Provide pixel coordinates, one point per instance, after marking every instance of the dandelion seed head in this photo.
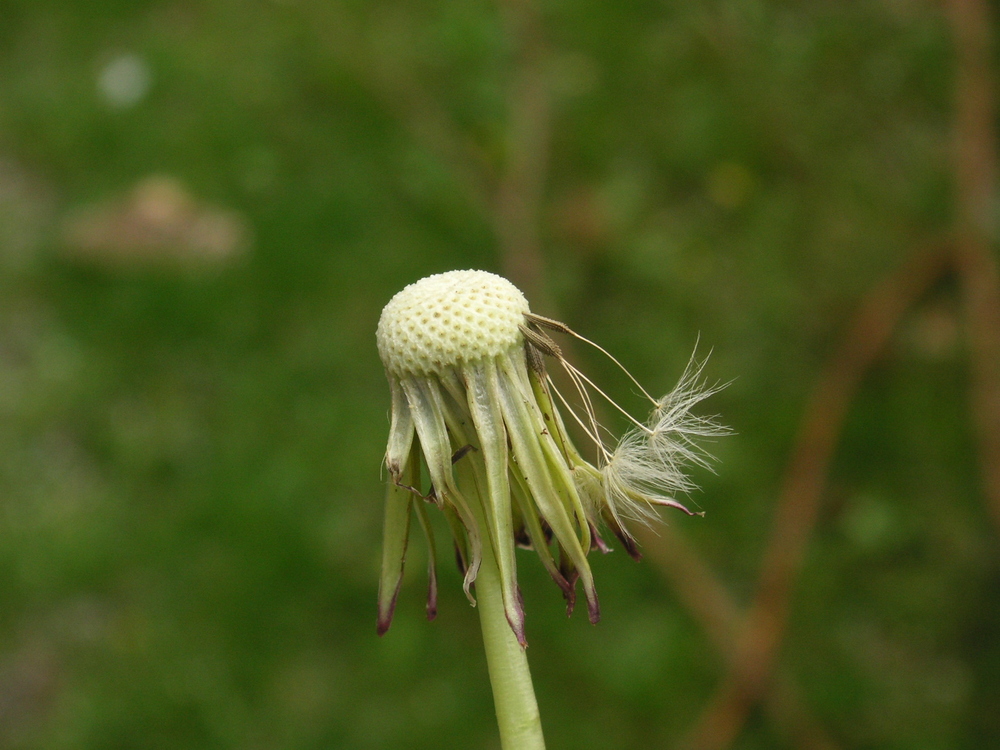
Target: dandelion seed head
(475, 412)
(449, 318)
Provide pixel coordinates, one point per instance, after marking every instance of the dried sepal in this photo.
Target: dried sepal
(432, 587)
(395, 536)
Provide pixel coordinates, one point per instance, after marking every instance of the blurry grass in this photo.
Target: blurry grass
(189, 458)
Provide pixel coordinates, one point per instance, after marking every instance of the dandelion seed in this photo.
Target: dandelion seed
(473, 406)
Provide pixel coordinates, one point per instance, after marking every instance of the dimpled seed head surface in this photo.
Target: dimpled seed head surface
(449, 318)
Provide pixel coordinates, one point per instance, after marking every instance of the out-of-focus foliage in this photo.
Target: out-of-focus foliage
(191, 429)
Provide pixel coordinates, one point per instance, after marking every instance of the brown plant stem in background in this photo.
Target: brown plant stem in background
(717, 613)
(975, 178)
(975, 172)
(518, 199)
(749, 676)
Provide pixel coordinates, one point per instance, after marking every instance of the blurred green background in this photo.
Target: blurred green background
(204, 207)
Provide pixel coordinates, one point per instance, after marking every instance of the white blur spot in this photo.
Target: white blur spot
(124, 81)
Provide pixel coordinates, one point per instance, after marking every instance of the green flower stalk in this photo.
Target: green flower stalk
(473, 407)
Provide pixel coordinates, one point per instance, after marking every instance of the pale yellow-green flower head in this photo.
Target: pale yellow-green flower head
(448, 319)
(472, 403)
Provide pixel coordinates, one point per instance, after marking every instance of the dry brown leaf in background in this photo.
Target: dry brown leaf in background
(158, 222)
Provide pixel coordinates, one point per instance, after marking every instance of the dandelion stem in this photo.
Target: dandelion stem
(513, 693)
